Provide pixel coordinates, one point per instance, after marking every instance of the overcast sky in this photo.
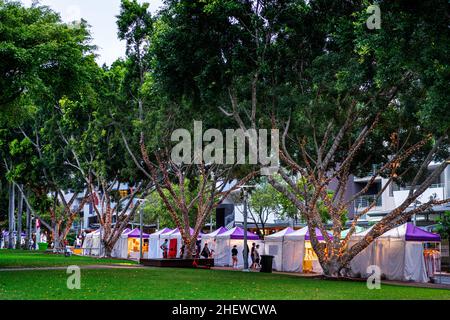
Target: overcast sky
(101, 15)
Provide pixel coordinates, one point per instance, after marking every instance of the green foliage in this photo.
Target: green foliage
(444, 225)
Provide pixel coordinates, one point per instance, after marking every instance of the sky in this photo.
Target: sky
(101, 15)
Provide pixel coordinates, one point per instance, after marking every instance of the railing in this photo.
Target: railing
(407, 188)
(366, 201)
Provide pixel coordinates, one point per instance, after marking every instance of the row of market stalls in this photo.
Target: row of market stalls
(127, 247)
(220, 242)
(406, 253)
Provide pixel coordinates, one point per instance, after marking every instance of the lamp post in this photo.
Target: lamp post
(141, 228)
(245, 233)
(245, 193)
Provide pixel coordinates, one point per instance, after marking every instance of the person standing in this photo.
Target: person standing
(252, 256)
(165, 247)
(257, 257)
(206, 253)
(182, 251)
(234, 256)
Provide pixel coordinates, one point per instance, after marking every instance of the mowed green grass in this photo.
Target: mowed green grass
(30, 259)
(174, 284)
(191, 284)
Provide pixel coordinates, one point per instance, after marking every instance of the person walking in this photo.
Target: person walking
(252, 256)
(234, 256)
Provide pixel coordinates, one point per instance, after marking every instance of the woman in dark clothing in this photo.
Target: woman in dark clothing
(234, 256)
(206, 252)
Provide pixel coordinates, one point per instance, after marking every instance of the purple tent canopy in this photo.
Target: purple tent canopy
(191, 232)
(238, 233)
(318, 234)
(136, 234)
(165, 230)
(414, 233)
(217, 232)
(221, 230)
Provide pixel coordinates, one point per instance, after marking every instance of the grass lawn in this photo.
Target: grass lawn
(25, 259)
(156, 283)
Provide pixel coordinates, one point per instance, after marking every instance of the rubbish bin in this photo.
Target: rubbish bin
(42, 246)
(266, 263)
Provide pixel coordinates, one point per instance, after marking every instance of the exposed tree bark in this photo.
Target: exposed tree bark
(19, 221)
(209, 194)
(334, 254)
(11, 218)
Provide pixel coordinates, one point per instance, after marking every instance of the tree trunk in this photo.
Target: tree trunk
(333, 268)
(108, 249)
(11, 216)
(28, 229)
(19, 221)
(189, 249)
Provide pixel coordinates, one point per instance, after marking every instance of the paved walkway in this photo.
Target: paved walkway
(443, 278)
(86, 267)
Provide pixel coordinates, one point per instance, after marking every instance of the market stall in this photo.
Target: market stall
(120, 249)
(273, 245)
(405, 253)
(176, 241)
(226, 241)
(211, 238)
(298, 254)
(134, 244)
(91, 244)
(155, 243)
(5, 238)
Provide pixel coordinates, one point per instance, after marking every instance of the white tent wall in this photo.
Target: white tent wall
(293, 252)
(397, 258)
(224, 245)
(120, 249)
(390, 257)
(362, 260)
(95, 251)
(211, 241)
(275, 249)
(414, 269)
(154, 247)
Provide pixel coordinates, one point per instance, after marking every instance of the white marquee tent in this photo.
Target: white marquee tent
(399, 253)
(297, 252)
(226, 241)
(91, 244)
(210, 238)
(120, 249)
(176, 234)
(155, 243)
(273, 245)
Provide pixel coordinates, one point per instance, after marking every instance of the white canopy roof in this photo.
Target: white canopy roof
(160, 232)
(279, 236)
